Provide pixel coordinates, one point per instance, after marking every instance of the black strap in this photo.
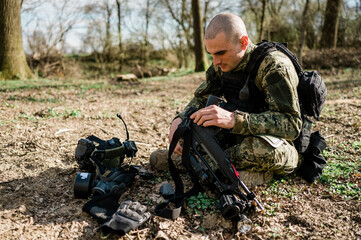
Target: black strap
(264, 47)
(162, 209)
(97, 140)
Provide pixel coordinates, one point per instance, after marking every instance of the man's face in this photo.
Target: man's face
(226, 54)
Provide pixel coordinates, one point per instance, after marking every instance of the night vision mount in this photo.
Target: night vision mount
(100, 159)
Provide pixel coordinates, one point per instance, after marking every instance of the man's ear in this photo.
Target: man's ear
(244, 42)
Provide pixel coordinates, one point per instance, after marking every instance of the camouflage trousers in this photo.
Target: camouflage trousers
(255, 154)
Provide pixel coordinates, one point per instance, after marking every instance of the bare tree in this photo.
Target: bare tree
(330, 25)
(212, 7)
(108, 41)
(258, 8)
(263, 14)
(119, 24)
(181, 14)
(120, 5)
(99, 36)
(12, 57)
(199, 50)
(145, 51)
(304, 22)
(47, 41)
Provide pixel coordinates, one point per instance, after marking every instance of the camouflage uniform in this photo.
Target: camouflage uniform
(264, 140)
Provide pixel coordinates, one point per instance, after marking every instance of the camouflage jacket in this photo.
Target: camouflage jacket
(278, 80)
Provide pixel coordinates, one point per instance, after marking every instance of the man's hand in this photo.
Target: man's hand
(214, 116)
(178, 149)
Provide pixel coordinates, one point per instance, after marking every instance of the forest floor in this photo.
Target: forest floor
(42, 120)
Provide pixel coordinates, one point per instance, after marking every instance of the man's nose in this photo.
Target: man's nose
(216, 60)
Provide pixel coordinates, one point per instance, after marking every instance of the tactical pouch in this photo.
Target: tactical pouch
(303, 140)
(313, 162)
(312, 92)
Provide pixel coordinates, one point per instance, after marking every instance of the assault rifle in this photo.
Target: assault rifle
(235, 197)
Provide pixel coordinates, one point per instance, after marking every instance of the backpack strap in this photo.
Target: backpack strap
(252, 66)
(263, 49)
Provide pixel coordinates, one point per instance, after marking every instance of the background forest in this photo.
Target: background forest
(147, 37)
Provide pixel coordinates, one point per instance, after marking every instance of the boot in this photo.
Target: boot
(159, 160)
(252, 179)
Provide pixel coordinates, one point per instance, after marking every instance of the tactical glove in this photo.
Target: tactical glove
(129, 216)
(102, 207)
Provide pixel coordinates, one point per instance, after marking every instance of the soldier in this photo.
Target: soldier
(262, 131)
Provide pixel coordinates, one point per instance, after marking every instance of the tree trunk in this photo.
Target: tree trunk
(108, 40)
(12, 57)
(200, 55)
(330, 25)
(146, 42)
(303, 30)
(120, 45)
(119, 11)
(264, 3)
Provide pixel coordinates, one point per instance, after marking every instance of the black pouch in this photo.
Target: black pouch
(302, 142)
(312, 92)
(313, 162)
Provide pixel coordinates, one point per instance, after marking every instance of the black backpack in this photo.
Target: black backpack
(312, 93)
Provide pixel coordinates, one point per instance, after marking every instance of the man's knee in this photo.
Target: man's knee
(257, 154)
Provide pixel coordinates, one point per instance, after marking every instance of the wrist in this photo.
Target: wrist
(240, 125)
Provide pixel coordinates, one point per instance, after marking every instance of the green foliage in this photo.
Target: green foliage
(155, 180)
(341, 177)
(72, 113)
(283, 187)
(31, 99)
(201, 203)
(19, 85)
(150, 203)
(356, 145)
(51, 113)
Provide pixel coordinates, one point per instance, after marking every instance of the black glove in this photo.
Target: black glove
(129, 216)
(102, 207)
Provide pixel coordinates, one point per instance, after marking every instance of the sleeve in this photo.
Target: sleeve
(278, 80)
(211, 86)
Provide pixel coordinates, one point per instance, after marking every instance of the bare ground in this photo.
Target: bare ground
(40, 125)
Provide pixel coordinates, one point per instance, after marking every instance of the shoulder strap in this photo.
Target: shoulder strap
(263, 49)
(257, 56)
(254, 62)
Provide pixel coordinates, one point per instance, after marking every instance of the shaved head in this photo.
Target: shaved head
(231, 25)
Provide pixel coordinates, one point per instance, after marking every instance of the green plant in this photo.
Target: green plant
(340, 177)
(149, 201)
(201, 203)
(272, 208)
(356, 145)
(283, 187)
(72, 113)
